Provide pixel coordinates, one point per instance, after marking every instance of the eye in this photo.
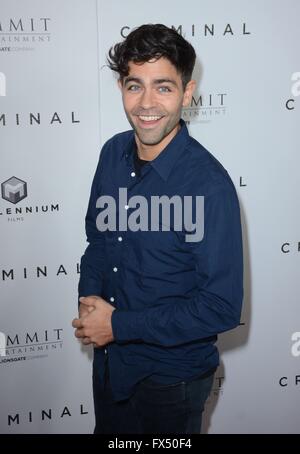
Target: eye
(133, 87)
(164, 89)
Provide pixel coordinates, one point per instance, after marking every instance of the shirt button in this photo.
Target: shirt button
(126, 207)
(115, 269)
(105, 351)
(132, 174)
(111, 299)
(120, 238)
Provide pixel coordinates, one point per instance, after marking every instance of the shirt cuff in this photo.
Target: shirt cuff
(87, 287)
(126, 325)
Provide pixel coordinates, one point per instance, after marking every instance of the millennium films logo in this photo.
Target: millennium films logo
(14, 191)
(205, 108)
(30, 345)
(24, 33)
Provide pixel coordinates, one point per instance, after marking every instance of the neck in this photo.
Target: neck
(150, 152)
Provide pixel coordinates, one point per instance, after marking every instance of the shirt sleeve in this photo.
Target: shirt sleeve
(219, 270)
(92, 262)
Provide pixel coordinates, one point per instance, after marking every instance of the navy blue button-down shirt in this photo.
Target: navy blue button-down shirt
(172, 296)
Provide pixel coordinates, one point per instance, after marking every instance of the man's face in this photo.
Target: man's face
(153, 97)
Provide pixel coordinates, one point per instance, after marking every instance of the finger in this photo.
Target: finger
(84, 310)
(76, 323)
(88, 302)
(88, 299)
(79, 333)
(86, 341)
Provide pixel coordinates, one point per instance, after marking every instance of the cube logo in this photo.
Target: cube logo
(14, 190)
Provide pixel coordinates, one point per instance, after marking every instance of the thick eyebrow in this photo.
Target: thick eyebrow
(155, 82)
(132, 79)
(165, 81)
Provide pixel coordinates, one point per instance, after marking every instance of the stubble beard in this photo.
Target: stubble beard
(153, 137)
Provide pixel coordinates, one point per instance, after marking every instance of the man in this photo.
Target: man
(154, 296)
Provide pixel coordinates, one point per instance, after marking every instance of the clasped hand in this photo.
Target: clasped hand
(94, 323)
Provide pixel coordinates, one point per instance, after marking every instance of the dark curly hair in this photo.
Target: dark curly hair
(153, 41)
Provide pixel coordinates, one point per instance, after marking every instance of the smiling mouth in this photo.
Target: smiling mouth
(149, 118)
(149, 121)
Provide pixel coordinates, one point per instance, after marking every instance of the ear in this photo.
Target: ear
(188, 93)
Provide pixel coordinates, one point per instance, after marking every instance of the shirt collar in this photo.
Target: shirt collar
(165, 161)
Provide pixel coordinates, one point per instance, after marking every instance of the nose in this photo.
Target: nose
(147, 99)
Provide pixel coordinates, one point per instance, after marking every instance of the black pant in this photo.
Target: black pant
(153, 409)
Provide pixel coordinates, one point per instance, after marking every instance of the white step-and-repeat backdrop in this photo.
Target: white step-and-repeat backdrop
(58, 104)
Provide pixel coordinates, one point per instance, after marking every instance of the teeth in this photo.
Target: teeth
(148, 118)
